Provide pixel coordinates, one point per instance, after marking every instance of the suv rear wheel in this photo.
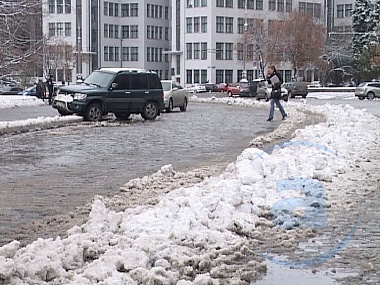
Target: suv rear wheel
(150, 111)
(93, 112)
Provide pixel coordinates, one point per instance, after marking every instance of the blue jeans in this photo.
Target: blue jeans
(278, 104)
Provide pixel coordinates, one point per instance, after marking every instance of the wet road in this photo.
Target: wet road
(51, 172)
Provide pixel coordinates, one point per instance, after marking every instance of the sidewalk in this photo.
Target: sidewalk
(27, 112)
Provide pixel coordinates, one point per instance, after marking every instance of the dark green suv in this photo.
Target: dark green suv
(121, 91)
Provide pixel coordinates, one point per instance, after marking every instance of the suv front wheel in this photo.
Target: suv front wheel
(150, 111)
(93, 112)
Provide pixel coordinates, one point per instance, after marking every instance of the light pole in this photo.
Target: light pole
(244, 73)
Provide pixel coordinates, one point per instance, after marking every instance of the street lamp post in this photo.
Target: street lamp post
(244, 73)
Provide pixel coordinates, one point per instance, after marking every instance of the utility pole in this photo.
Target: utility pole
(244, 73)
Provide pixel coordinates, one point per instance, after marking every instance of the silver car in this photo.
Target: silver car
(368, 90)
(174, 95)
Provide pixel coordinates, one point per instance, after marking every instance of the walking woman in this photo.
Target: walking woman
(275, 80)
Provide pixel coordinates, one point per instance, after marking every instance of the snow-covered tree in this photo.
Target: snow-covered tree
(20, 35)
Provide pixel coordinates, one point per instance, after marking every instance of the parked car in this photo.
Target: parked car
(296, 88)
(314, 84)
(196, 88)
(233, 89)
(369, 90)
(222, 87)
(121, 91)
(259, 88)
(30, 91)
(174, 96)
(10, 90)
(211, 87)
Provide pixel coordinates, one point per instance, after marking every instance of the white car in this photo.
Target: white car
(174, 96)
(196, 88)
(314, 84)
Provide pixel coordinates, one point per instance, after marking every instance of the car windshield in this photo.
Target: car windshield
(99, 78)
(362, 84)
(166, 85)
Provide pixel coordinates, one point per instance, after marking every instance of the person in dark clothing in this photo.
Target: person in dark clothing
(275, 80)
(40, 90)
(49, 84)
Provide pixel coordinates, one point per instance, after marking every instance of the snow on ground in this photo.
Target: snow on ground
(11, 101)
(190, 235)
(331, 95)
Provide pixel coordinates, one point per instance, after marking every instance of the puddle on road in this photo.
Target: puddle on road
(278, 274)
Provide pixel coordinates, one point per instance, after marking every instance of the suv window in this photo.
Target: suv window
(139, 81)
(99, 78)
(123, 81)
(154, 82)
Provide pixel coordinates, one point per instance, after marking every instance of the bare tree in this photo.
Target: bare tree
(299, 39)
(20, 35)
(59, 55)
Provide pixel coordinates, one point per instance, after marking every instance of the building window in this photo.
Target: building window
(251, 4)
(125, 32)
(67, 29)
(204, 51)
(134, 13)
(302, 7)
(259, 5)
(219, 51)
(166, 33)
(196, 75)
(51, 29)
(134, 31)
(204, 3)
(272, 5)
(68, 7)
(189, 25)
(196, 24)
(105, 4)
(111, 54)
(110, 32)
(134, 54)
(318, 10)
(241, 4)
(339, 11)
(239, 49)
(59, 6)
(106, 30)
(125, 10)
(229, 75)
(289, 6)
(204, 24)
(280, 5)
(309, 8)
(189, 76)
(219, 76)
(105, 53)
(196, 50)
(59, 29)
(116, 10)
(166, 12)
(51, 6)
(189, 4)
(229, 51)
(110, 9)
(117, 53)
(240, 27)
(125, 54)
(219, 3)
(148, 54)
(229, 25)
(189, 51)
(204, 78)
(220, 24)
(229, 3)
(196, 3)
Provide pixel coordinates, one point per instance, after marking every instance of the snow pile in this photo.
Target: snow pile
(193, 234)
(331, 95)
(11, 101)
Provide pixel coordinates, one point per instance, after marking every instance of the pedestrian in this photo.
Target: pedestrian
(50, 87)
(275, 80)
(40, 90)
